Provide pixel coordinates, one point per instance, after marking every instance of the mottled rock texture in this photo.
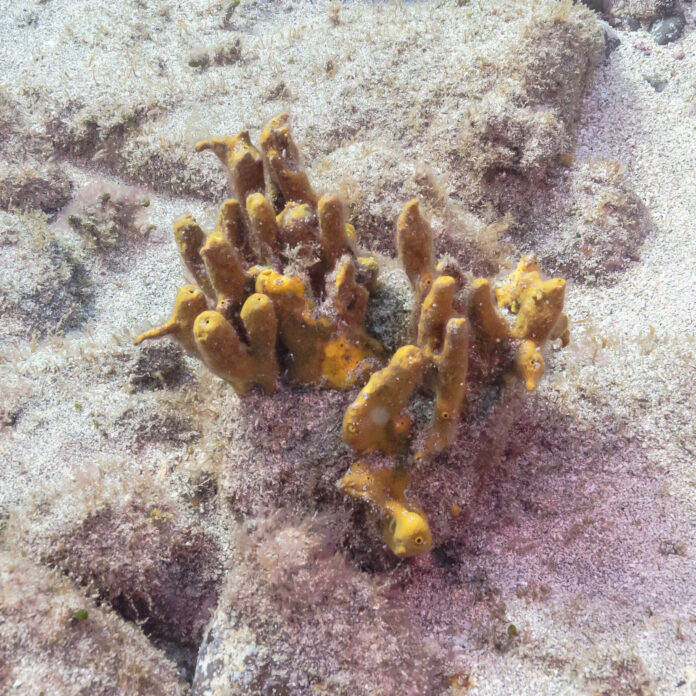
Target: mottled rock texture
(55, 640)
(165, 576)
(50, 291)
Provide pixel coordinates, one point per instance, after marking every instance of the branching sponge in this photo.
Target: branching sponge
(282, 291)
(260, 321)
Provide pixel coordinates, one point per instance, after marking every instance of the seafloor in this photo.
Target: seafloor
(161, 535)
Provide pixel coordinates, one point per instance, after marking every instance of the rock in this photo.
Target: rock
(223, 54)
(163, 426)
(611, 39)
(165, 575)
(55, 640)
(629, 23)
(666, 30)
(389, 309)
(604, 230)
(513, 136)
(647, 10)
(554, 60)
(29, 178)
(108, 217)
(373, 177)
(159, 366)
(50, 290)
(665, 7)
(167, 164)
(228, 54)
(34, 186)
(657, 82)
(504, 136)
(199, 59)
(290, 601)
(285, 451)
(279, 91)
(15, 393)
(134, 141)
(596, 5)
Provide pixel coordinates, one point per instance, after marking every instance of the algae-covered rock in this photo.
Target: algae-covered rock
(296, 618)
(29, 178)
(55, 640)
(117, 134)
(602, 233)
(159, 366)
(668, 29)
(32, 185)
(109, 218)
(517, 131)
(641, 9)
(165, 576)
(50, 291)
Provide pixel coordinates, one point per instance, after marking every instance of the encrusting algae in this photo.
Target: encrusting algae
(281, 292)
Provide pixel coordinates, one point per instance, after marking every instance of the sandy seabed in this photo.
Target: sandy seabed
(200, 533)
